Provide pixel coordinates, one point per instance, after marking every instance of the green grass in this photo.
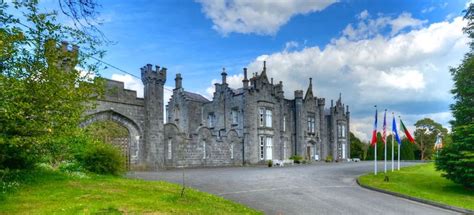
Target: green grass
(423, 181)
(56, 193)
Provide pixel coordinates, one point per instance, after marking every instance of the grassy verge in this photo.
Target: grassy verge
(423, 181)
(57, 193)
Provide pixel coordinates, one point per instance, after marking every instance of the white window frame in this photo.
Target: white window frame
(231, 150)
(268, 118)
(170, 152)
(269, 148)
(210, 120)
(284, 123)
(262, 147)
(261, 116)
(311, 123)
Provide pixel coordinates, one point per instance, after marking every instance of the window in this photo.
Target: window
(268, 118)
(284, 123)
(341, 130)
(311, 123)
(269, 148)
(210, 120)
(262, 116)
(170, 155)
(235, 117)
(284, 150)
(262, 145)
(203, 149)
(231, 150)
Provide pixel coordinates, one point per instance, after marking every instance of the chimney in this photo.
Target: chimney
(178, 81)
(224, 76)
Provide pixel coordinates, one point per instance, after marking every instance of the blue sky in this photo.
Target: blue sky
(395, 54)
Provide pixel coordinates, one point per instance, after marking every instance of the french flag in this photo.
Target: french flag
(374, 132)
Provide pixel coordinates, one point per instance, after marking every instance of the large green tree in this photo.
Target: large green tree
(425, 135)
(358, 148)
(42, 92)
(456, 160)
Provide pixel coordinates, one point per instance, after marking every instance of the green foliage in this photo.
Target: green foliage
(457, 158)
(296, 158)
(270, 163)
(106, 131)
(422, 181)
(406, 151)
(329, 158)
(42, 94)
(425, 136)
(103, 159)
(358, 148)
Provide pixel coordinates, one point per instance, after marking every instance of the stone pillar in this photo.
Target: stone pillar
(299, 141)
(245, 81)
(153, 81)
(178, 81)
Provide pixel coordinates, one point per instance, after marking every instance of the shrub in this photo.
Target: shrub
(296, 158)
(329, 158)
(102, 158)
(270, 163)
(17, 153)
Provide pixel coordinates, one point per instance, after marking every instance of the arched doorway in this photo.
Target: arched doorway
(312, 152)
(122, 132)
(112, 133)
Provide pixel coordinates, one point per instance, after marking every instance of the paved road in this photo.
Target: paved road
(310, 189)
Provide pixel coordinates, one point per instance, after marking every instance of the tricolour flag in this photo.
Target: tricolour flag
(407, 133)
(374, 132)
(394, 130)
(384, 133)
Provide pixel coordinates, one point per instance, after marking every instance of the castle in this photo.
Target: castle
(248, 125)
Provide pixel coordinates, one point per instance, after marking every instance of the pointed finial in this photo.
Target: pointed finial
(264, 65)
(310, 81)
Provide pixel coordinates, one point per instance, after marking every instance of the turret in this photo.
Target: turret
(299, 124)
(153, 81)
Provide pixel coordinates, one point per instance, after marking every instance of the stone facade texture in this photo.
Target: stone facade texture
(248, 125)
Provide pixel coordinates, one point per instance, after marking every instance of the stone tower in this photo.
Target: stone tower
(153, 81)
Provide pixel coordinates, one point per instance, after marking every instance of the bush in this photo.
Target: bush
(17, 153)
(329, 158)
(102, 158)
(457, 158)
(270, 163)
(296, 158)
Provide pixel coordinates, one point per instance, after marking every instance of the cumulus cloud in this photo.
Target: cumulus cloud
(263, 17)
(370, 64)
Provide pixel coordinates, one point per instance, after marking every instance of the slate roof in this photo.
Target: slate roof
(195, 97)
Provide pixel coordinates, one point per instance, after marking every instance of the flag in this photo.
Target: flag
(407, 133)
(384, 133)
(395, 132)
(374, 132)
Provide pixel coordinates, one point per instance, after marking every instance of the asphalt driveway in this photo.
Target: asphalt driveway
(320, 188)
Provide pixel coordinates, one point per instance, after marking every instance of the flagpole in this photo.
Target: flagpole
(375, 151)
(393, 137)
(399, 145)
(385, 141)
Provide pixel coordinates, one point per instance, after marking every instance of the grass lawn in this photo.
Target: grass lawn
(56, 193)
(423, 181)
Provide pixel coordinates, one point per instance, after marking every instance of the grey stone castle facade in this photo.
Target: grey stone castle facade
(248, 125)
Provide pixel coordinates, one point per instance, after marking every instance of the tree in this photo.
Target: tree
(456, 160)
(42, 93)
(357, 147)
(425, 134)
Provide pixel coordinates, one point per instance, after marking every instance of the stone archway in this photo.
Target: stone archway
(134, 140)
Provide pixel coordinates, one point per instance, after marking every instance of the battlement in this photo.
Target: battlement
(115, 92)
(298, 94)
(61, 56)
(156, 76)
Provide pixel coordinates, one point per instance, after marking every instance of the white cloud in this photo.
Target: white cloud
(387, 69)
(263, 17)
(291, 45)
(428, 9)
